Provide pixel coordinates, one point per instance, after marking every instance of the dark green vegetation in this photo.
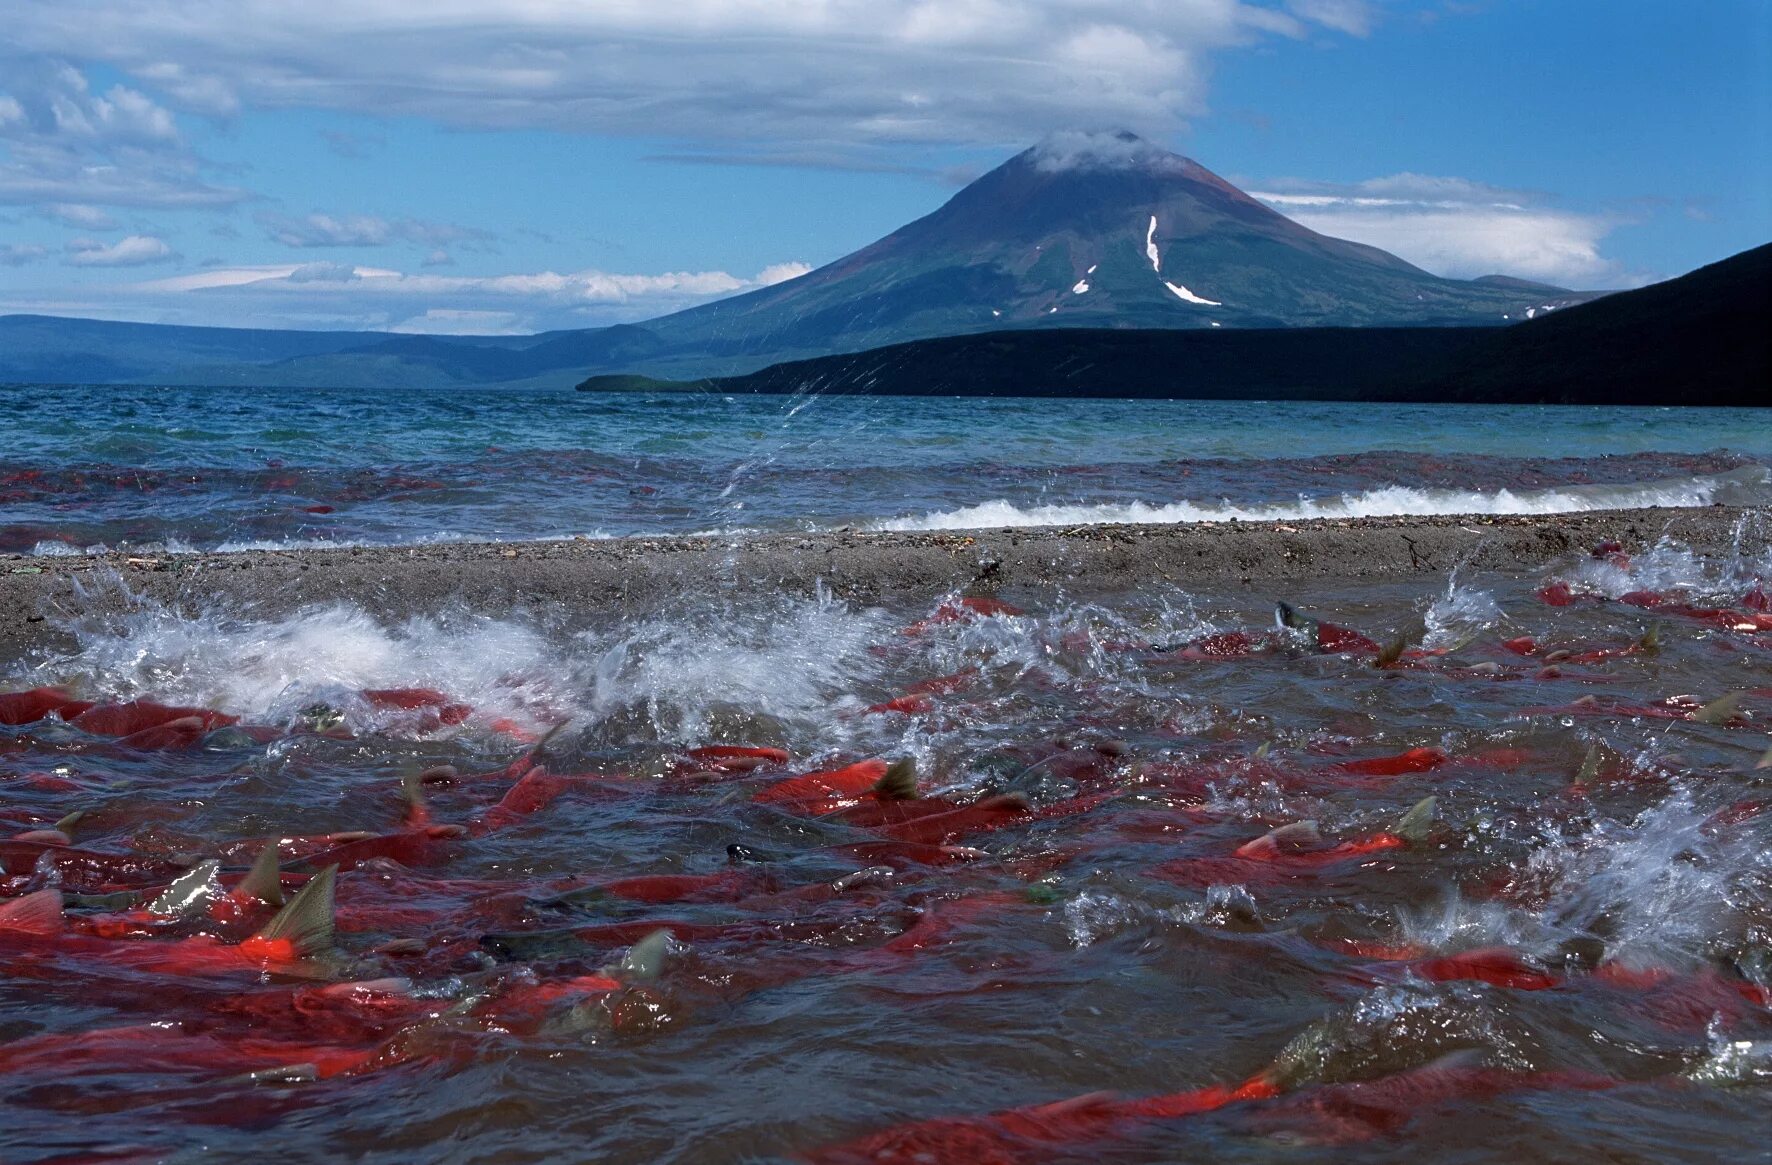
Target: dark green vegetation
(1702, 339)
(1118, 234)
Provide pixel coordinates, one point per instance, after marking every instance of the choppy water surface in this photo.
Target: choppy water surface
(88, 466)
(1564, 956)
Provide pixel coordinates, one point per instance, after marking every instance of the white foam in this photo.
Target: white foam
(53, 549)
(1150, 246)
(1385, 501)
(1459, 614)
(1081, 286)
(794, 663)
(269, 668)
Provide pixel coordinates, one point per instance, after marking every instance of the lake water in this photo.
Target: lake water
(207, 468)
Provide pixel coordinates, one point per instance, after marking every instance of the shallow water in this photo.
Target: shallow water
(119, 466)
(1107, 939)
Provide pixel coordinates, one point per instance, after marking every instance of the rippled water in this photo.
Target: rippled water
(1597, 850)
(86, 466)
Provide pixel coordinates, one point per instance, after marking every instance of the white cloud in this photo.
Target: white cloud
(61, 143)
(445, 322)
(133, 251)
(362, 230)
(18, 254)
(346, 295)
(781, 273)
(779, 72)
(322, 273)
(1457, 227)
(1354, 17)
(1099, 150)
(73, 214)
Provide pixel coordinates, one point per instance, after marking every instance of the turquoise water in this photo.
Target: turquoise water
(82, 466)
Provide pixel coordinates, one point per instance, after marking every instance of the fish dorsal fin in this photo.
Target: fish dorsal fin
(1415, 825)
(899, 783)
(1651, 640)
(644, 961)
(1719, 711)
(1295, 834)
(1392, 652)
(67, 824)
(36, 913)
(1262, 750)
(1765, 762)
(412, 791)
(264, 880)
(1292, 837)
(1589, 771)
(187, 890)
(306, 922)
(539, 752)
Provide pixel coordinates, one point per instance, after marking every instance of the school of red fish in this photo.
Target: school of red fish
(1289, 882)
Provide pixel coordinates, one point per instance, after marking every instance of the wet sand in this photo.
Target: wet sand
(586, 576)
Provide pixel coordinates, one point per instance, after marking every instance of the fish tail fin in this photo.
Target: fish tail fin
(1765, 762)
(306, 922)
(1651, 640)
(264, 880)
(36, 913)
(1391, 652)
(1589, 771)
(1415, 825)
(1719, 711)
(899, 783)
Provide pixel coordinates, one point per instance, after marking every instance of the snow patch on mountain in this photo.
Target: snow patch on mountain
(1184, 293)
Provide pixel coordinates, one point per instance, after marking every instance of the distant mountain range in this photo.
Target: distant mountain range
(1084, 231)
(1702, 339)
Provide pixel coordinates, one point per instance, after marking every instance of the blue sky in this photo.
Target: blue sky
(514, 165)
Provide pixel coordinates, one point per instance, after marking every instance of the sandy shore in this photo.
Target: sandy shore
(644, 573)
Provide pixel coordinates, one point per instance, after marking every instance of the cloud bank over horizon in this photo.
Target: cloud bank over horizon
(1458, 228)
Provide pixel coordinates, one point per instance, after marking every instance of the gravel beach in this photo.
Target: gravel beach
(593, 576)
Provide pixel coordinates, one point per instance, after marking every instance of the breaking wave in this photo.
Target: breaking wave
(1750, 485)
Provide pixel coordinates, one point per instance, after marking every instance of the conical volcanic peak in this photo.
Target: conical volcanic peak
(1098, 229)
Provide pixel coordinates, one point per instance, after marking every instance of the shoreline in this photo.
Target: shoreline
(586, 576)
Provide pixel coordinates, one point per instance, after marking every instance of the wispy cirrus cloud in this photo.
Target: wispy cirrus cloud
(19, 254)
(363, 230)
(132, 251)
(1458, 227)
(73, 214)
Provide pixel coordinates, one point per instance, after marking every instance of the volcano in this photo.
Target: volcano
(1095, 231)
